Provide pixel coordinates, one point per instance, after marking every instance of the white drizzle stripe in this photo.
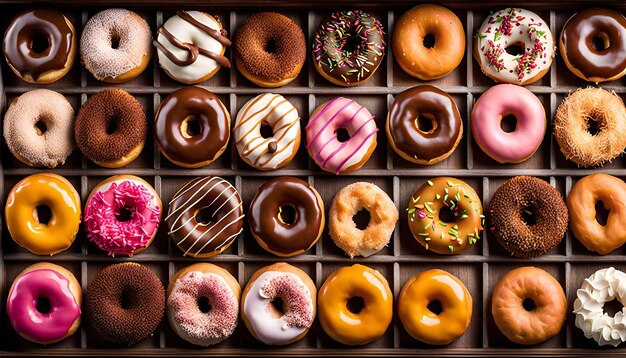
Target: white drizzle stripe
(214, 236)
(185, 206)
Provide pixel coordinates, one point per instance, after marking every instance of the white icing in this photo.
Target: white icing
(603, 286)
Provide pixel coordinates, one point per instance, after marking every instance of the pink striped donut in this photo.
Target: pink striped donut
(323, 144)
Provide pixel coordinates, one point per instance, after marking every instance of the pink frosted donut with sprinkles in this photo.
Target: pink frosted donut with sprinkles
(203, 304)
(515, 46)
(341, 135)
(122, 215)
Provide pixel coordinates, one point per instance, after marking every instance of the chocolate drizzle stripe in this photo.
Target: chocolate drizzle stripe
(277, 152)
(275, 130)
(193, 50)
(209, 31)
(247, 118)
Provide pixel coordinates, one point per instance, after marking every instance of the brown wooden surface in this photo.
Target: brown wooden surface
(479, 269)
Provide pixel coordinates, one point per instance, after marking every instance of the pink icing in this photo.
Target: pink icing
(298, 301)
(500, 101)
(122, 237)
(328, 152)
(23, 313)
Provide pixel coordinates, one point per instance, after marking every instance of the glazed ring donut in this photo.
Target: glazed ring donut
(270, 49)
(203, 304)
(527, 216)
(40, 45)
(424, 125)
(192, 127)
(267, 152)
(322, 135)
(124, 303)
(116, 45)
(39, 128)
(587, 193)
(348, 47)
(42, 213)
(297, 292)
(286, 216)
(355, 305)
(589, 126)
(592, 45)
(44, 303)
(523, 31)
(342, 228)
(428, 42)
(445, 216)
(528, 305)
(508, 100)
(446, 323)
(111, 128)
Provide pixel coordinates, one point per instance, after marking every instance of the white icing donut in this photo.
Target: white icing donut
(273, 152)
(514, 26)
(603, 286)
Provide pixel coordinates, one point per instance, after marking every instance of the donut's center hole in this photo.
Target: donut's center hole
(39, 43)
(125, 213)
(529, 304)
(342, 135)
(115, 41)
(279, 305)
(204, 305)
(287, 214)
(204, 216)
(429, 41)
(271, 46)
(113, 124)
(600, 42)
(612, 307)
(41, 127)
(508, 123)
(594, 124)
(43, 305)
(447, 215)
(266, 130)
(602, 213)
(191, 126)
(435, 307)
(350, 44)
(515, 49)
(126, 301)
(362, 219)
(529, 216)
(355, 304)
(426, 123)
(42, 214)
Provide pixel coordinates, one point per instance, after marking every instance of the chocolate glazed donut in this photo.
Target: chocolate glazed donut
(192, 127)
(424, 125)
(286, 216)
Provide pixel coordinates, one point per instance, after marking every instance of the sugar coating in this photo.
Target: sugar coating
(295, 295)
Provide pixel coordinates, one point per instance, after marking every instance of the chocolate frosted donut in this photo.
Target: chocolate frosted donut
(205, 216)
(192, 127)
(424, 125)
(286, 216)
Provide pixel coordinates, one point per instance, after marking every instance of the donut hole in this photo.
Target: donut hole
(287, 214)
(124, 214)
(191, 127)
(600, 42)
(112, 124)
(602, 213)
(204, 216)
(126, 300)
(435, 307)
(115, 40)
(429, 41)
(612, 307)
(508, 123)
(362, 219)
(40, 127)
(266, 130)
(204, 305)
(426, 123)
(42, 214)
(278, 306)
(342, 135)
(594, 124)
(39, 43)
(529, 216)
(447, 215)
(271, 46)
(42, 305)
(355, 304)
(529, 304)
(515, 49)
(350, 45)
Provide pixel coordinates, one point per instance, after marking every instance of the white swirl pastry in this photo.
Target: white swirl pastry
(277, 150)
(603, 286)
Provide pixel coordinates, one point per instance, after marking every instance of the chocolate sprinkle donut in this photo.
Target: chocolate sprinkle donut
(527, 216)
(125, 302)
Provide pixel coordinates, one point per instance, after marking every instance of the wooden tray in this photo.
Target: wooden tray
(479, 269)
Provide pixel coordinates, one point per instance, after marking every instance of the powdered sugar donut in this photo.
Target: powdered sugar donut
(203, 304)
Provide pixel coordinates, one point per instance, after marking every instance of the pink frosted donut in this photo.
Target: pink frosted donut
(501, 101)
(330, 123)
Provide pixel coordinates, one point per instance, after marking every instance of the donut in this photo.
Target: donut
(192, 127)
(348, 47)
(527, 216)
(44, 303)
(39, 128)
(40, 45)
(438, 326)
(586, 194)
(191, 45)
(203, 304)
(515, 46)
(528, 305)
(344, 231)
(593, 45)
(111, 128)
(270, 49)
(333, 119)
(588, 126)
(424, 125)
(602, 286)
(445, 215)
(270, 112)
(530, 123)
(278, 304)
(205, 216)
(428, 42)
(124, 303)
(286, 216)
(122, 215)
(116, 45)
(42, 213)
(355, 305)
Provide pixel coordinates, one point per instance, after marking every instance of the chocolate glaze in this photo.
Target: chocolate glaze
(214, 131)
(265, 222)
(579, 33)
(26, 27)
(430, 102)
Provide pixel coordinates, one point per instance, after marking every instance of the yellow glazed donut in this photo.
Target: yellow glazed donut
(355, 305)
(32, 198)
(446, 323)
